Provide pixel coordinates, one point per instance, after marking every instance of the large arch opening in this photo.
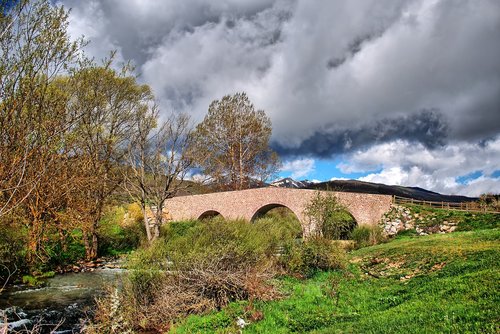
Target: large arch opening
(278, 218)
(209, 215)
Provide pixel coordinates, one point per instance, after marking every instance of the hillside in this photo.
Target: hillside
(373, 188)
(433, 284)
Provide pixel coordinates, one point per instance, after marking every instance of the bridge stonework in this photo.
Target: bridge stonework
(367, 209)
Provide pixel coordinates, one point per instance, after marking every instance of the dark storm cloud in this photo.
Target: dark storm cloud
(352, 49)
(362, 66)
(427, 127)
(138, 27)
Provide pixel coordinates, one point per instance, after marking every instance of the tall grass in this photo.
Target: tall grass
(432, 284)
(199, 266)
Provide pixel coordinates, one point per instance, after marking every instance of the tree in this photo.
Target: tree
(232, 143)
(109, 102)
(331, 219)
(35, 49)
(157, 163)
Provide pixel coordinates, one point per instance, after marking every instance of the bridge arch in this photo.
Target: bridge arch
(268, 207)
(290, 219)
(347, 221)
(210, 214)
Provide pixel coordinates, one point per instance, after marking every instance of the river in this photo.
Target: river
(68, 298)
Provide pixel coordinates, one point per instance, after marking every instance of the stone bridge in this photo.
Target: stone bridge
(367, 209)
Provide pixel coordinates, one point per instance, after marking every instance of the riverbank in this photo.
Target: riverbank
(64, 302)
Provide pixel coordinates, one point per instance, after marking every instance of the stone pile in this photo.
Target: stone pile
(401, 218)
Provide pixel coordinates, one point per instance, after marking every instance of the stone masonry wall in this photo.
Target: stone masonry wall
(400, 218)
(367, 209)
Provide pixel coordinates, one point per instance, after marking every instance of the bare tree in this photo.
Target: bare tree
(157, 164)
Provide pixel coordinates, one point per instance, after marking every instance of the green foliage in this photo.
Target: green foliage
(478, 221)
(366, 235)
(276, 231)
(118, 236)
(31, 280)
(316, 254)
(61, 255)
(466, 221)
(331, 217)
(177, 229)
(454, 289)
(12, 251)
(188, 243)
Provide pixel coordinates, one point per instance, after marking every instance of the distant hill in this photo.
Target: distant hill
(373, 188)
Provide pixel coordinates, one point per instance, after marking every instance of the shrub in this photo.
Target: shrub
(306, 258)
(195, 267)
(332, 219)
(12, 241)
(367, 235)
(118, 235)
(177, 229)
(277, 232)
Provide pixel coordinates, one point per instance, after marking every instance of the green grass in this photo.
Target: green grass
(466, 221)
(433, 284)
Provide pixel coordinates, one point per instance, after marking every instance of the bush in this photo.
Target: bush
(196, 267)
(119, 235)
(177, 229)
(12, 241)
(277, 232)
(331, 217)
(307, 258)
(367, 235)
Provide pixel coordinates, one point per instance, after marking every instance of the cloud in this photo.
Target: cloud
(407, 91)
(427, 127)
(299, 168)
(334, 73)
(403, 163)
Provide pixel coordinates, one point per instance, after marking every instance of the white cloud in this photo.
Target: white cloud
(339, 179)
(299, 168)
(408, 164)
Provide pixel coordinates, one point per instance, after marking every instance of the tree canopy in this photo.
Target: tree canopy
(232, 143)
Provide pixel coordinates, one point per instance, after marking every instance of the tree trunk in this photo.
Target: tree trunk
(95, 244)
(62, 238)
(91, 242)
(33, 244)
(146, 223)
(158, 221)
(241, 166)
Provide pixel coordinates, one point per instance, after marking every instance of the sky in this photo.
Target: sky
(395, 92)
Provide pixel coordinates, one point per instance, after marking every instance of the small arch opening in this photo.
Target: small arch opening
(339, 225)
(209, 215)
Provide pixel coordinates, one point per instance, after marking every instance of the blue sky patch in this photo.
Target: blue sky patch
(464, 179)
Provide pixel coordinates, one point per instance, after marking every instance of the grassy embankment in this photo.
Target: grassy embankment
(432, 284)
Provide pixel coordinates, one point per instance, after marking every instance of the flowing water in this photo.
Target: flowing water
(66, 298)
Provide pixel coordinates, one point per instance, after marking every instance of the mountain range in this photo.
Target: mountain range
(372, 188)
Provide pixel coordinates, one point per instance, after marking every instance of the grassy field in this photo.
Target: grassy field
(433, 284)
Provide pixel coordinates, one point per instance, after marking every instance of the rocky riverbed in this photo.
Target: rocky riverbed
(63, 303)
